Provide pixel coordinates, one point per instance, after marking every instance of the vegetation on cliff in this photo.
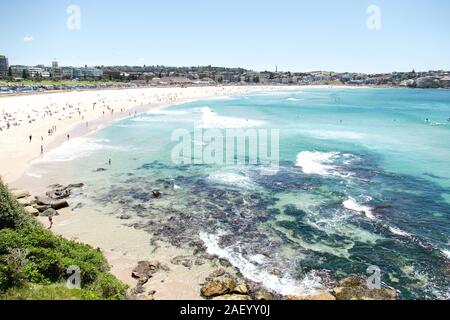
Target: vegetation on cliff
(36, 264)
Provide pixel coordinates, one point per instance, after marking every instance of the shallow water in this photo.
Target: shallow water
(364, 180)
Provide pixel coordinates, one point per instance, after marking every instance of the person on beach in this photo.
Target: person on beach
(68, 136)
(50, 220)
(31, 137)
(42, 149)
(109, 161)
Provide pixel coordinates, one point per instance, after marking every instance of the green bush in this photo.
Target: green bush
(34, 261)
(109, 287)
(12, 215)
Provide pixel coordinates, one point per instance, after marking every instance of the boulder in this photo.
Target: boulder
(26, 201)
(59, 204)
(100, 170)
(355, 288)
(32, 211)
(41, 208)
(43, 201)
(145, 270)
(58, 194)
(49, 212)
(218, 287)
(321, 296)
(235, 297)
(263, 295)
(19, 194)
(241, 289)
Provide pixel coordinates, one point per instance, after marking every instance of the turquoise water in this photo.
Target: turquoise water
(363, 180)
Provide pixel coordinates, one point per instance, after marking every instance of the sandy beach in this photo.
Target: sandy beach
(49, 119)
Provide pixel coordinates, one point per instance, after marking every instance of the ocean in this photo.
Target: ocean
(362, 180)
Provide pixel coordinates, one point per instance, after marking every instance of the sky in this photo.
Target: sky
(295, 35)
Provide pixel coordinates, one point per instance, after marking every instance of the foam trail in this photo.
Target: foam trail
(211, 120)
(317, 162)
(351, 204)
(74, 149)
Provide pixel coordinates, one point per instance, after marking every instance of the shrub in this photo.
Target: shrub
(34, 261)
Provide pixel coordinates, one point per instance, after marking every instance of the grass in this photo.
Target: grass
(34, 262)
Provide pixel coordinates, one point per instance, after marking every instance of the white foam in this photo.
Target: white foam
(336, 135)
(351, 204)
(165, 112)
(399, 232)
(74, 149)
(230, 178)
(313, 162)
(294, 99)
(210, 120)
(446, 253)
(284, 285)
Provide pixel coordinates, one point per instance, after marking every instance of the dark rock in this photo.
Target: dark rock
(156, 194)
(58, 194)
(59, 204)
(49, 212)
(100, 170)
(41, 208)
(145, 270)
(355, 288)
(263, 295)
(43, 201)
(75, 185)
(19, 194)
(218, 287)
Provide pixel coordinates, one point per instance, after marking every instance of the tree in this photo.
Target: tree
(25, 74)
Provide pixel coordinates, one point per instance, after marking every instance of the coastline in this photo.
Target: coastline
(122, 245)
(15, 140)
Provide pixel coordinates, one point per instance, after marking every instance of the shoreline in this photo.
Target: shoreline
(122, 245)
(15, 140)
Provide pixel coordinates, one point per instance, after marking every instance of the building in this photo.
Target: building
(67, 72)
(86, 72)
(56, 70)
(4, 65)
(34, 72)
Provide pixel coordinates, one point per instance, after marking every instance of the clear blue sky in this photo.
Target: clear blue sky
(296, 35)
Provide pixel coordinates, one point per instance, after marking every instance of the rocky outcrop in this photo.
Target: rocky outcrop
(263, 295)
(59, 192)
(49, 213)
(28, 201)
(32, 211)
(218, 287)
(322, 296)
(188, 261)
(233, 297)
(145, 270)
(355, 288)
(19, 194)
(59, 204)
